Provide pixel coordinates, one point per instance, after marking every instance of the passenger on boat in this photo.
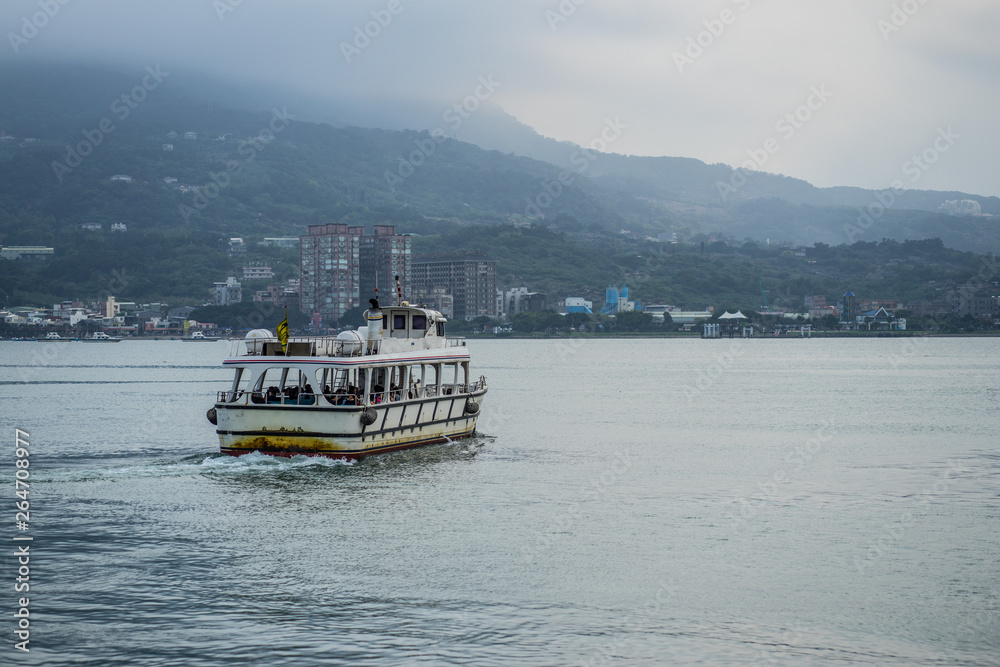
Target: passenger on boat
(272, 395)
(377, 392)
(353, 396)
(307, 397)
(257, 397)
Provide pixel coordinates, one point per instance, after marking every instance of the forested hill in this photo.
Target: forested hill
(256, 174)
(317, 173)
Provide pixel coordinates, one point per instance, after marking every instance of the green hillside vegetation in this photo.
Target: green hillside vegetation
(451, 195)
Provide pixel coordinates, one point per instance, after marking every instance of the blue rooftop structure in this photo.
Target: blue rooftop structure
(612, 296)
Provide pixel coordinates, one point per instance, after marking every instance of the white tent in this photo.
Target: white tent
(733, 316)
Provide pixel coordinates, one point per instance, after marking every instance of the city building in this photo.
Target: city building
(961, 207)
(283, 296)
(849, 310)
(69, 312)
(576, 304)
(330, 270)
(385, 255)
(816, 301)
(441, 301)
(521, 300)
(880, 320)
(91, 226)
(119, 227)
(685, 317)
(471, 279)
(228, 293)
(124, 178)
(616, 301)
(25, 252)
(280, 241)
(981, 305)
(257, 272)
(237, 247)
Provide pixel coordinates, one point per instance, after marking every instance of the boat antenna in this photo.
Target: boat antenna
(399, 293)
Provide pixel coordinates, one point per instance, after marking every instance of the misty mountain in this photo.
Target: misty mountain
(316, 172)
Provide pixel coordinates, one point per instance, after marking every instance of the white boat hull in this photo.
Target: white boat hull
(338, 432)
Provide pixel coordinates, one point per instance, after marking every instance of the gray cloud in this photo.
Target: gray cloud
(893, 88)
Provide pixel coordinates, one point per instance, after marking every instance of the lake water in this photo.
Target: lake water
(626, 502)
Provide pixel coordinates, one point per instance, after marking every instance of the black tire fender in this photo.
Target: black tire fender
(368, 416)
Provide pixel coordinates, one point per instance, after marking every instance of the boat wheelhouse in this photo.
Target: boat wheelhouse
(398, 382)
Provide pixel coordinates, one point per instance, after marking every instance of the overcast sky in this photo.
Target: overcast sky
(889, 80)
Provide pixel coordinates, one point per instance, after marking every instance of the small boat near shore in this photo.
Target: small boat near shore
(199, 336)
(398, 382)
(100, 337)
(53, 337)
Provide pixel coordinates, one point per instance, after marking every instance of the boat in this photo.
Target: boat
(396, 383)
(53, 337)
(200, 336)
(100, 337)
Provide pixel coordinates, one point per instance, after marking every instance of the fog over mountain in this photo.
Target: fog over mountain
(843, 93)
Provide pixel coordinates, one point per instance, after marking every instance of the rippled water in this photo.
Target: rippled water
(633, 502)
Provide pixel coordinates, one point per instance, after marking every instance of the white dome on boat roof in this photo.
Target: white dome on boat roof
(259, 333)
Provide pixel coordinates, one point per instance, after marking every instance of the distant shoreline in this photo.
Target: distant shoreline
(768, 336)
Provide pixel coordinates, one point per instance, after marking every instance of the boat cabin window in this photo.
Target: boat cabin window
(388, 384)
(398, 322)
(341, 386)
(286, 386)
(241, 384)
(419, 322)
(440, 329)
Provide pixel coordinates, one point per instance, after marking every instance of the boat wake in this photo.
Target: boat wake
(192, 466)
(255, 461)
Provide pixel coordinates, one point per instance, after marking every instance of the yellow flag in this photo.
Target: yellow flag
(283, 332)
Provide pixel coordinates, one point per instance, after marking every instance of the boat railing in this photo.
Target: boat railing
(345, 398)
(243, 397)
(314, 346)
(306, 346)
